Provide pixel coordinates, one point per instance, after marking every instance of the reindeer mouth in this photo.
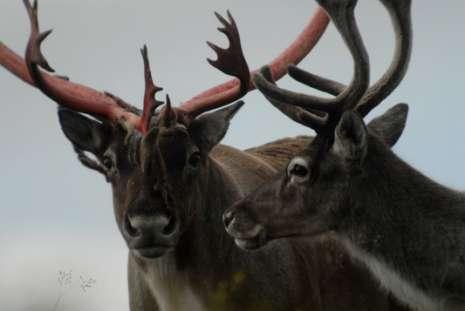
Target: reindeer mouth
(151, 251)
(251, 239)
(250, 244)
(150, 235)
(149, 248)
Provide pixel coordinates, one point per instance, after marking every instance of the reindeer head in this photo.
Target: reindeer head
(155, 159)
(158, 167)
(158, 179)
(315, 190)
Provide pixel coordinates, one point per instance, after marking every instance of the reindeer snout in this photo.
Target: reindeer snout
(152, 224)
(150, 232)
(141, 224)
(240, 223)
(247, 232)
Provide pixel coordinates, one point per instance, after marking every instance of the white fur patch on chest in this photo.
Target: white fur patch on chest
(402, 289)
(171, 288)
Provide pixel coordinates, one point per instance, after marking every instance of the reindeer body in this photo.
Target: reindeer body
(408, 230)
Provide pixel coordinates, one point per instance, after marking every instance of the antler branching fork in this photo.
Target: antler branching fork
(106, 106)
(323, 114)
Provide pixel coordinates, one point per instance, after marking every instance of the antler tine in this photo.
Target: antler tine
(271, 90)
(317, 82)
(34, 56)
(299, 115)
(228, 92)
(400, 13)
(168, 116)
(342, 14)
(150, 102)
(231, 61)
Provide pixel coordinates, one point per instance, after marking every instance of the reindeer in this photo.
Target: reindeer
(170, 180)
(408, 230)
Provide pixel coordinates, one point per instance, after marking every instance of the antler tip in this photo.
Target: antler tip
(144, 49)
(43, 35)
(27, 4)
(231, 18)
(144, 52)
(222, 19)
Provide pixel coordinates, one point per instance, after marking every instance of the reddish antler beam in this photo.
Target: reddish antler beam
(78, 97)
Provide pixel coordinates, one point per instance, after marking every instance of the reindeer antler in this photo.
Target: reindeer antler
(342, 14)
(234, 89)
(323, 114)
(63, 92)
(110, 107)
(399, 11)
(150, 102)
(231, 61)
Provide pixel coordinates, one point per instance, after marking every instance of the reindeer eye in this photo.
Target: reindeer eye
(194, 159)
(298, 168)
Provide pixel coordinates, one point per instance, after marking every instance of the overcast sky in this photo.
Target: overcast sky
(57, 215)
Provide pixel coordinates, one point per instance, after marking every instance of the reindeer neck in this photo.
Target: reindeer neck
(205, 244)
(407, 229)
(202, 259)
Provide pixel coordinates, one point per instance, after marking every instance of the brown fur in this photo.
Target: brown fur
(278, 153)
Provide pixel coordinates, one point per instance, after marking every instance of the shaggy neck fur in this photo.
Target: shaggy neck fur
(408, 230)
(202, 259)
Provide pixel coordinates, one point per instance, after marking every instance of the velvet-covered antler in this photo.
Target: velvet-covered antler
(323, 114)
(342, 14)
(399, 11)
(66, 93)
(234, 89)
(33, 70)
(150, 102)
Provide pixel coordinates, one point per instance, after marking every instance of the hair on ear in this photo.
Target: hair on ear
(84, 133)
(210, 128)
(390, 125)
(351, 139)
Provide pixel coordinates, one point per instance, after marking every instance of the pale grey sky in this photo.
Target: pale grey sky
(46, 193)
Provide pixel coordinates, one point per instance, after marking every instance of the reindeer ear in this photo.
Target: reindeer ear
(350, 140)
(209, 129)
(84, 133)
(390, 125)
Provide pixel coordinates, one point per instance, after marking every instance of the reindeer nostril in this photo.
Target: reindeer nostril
(132, 231)
(171, 226)
(228, 216)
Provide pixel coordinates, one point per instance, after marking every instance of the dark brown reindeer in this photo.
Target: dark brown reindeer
(408, 230)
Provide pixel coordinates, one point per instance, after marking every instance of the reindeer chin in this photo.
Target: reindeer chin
(151, 252)
(253, 239)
